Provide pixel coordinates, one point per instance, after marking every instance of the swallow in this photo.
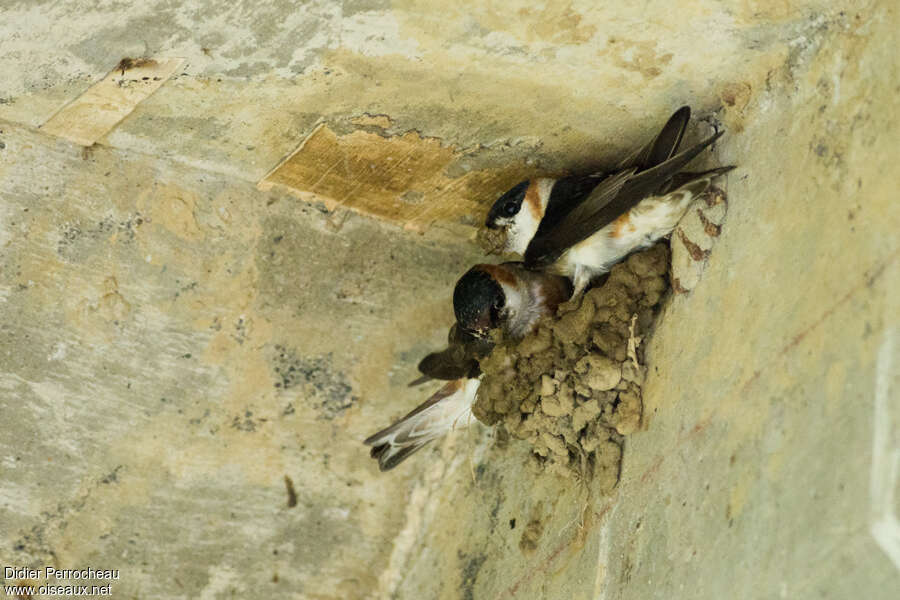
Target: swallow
(489, 297)
(486, 297)
(580, 226)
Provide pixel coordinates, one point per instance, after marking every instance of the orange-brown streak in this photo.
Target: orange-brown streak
(556, 290)
(620, 224)
(533, 199)
(499, 273)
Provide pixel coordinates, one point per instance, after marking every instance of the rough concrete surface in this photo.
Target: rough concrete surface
(177, 345)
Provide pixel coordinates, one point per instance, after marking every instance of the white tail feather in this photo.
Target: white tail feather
(429, 421)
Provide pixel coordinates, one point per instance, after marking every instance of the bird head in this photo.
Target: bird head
(506, 207)
(479, 302)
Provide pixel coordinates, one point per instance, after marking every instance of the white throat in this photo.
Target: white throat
(524, 306)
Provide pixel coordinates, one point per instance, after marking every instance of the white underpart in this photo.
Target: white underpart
(653, 218)
(437, 420)
(522, 227)
(524, 306)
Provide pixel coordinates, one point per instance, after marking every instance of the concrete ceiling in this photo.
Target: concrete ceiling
(489, 91)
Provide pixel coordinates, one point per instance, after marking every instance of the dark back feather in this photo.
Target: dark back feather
(618, 194)
(567, 193)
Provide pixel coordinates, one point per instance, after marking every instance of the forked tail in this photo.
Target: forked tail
(431, 420)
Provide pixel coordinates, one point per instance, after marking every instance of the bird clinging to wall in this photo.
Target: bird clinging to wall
(579, 226)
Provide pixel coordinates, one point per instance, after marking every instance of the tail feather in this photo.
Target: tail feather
(389, 456)
(419, 381)
(429, 421)
(664, 146)
(651, 180)
(684, 178)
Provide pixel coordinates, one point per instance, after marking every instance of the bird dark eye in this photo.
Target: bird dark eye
(507, 205)
(496, 307)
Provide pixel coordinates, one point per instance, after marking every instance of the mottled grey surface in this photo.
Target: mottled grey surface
(174, 344)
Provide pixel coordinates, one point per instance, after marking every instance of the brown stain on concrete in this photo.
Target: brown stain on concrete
(638, 56)
(556, 23)
(693, 249)
(737, 95)
(530, 538)
(403, 178)
(103, 106)
(173, 208)
(540, 568)
(291, 492)
(98, 313)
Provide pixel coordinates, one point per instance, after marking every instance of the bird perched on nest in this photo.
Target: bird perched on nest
(487, 297)
(507, 295)
(580, 226)
(574, 228)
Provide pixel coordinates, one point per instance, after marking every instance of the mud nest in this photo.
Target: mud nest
(492, 241)
(572, 388)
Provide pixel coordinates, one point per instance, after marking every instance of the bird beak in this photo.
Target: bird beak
(479, 332)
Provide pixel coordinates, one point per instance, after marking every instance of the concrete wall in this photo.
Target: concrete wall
(175, 342)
